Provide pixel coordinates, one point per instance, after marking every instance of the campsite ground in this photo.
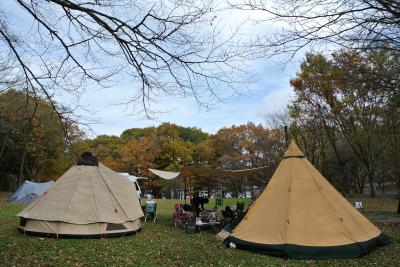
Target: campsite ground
(160, 244)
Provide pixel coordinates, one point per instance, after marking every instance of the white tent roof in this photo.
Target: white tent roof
(29, 191)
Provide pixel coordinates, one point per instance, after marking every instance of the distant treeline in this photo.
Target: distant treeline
(344, 114)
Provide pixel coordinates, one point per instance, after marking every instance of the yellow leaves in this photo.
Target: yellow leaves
(176, 153)
(112, 164)
(136, 152)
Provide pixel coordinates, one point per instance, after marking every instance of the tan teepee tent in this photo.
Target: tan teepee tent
(89, 200)
(300, 215)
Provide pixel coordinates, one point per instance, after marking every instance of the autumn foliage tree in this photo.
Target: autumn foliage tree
(349, 96)
(33, 144)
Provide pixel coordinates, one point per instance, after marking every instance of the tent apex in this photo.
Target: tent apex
(87, 159)
(293, 150)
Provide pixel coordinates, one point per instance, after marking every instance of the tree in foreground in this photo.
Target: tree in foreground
(294, 25)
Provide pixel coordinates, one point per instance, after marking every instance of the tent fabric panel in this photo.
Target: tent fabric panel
(124, 192)
(349, 251)
(92, 201)
(268, 213)
(293, 151)
(81, 206)
(356, 224)
(104, 204)
(307, 201)
(52, 205)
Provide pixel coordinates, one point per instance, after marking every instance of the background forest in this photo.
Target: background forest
(344, 114)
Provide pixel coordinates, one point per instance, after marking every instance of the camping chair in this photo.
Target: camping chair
(180, 217)
(151, 209)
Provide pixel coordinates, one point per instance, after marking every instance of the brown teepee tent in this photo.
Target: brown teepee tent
(89, 200)
(300, 215)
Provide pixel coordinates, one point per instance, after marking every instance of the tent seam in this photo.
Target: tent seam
(72, 196)
(94, 197)
(288, 206)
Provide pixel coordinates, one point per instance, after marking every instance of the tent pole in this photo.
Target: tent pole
(286, 136)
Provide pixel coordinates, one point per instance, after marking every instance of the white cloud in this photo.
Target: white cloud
(275, 101)
(270, 93)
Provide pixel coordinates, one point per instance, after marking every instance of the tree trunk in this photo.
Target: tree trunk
(3, 146)
(371, 179)
(398, 185)
(398, 207)
(360, 179)
(20, 178)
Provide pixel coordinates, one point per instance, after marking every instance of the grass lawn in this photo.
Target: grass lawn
(160, 244)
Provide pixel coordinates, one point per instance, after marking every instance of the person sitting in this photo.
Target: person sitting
(228, 213)
(187, 207)
(198, 204)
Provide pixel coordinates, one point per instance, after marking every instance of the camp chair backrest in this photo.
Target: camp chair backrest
(178, 207)
(151, 207)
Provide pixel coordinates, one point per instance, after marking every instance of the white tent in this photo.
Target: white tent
(29, 191)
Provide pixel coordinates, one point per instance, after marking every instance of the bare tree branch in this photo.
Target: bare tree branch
(309, 24)
(168, 48)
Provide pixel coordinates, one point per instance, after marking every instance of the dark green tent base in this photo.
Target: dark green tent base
(69, 236)
(307, 252)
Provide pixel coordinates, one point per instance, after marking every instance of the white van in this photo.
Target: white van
(134, 179)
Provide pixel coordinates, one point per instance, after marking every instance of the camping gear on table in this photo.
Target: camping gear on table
(300, 215)
(89, 200)
(29, 191)
(151, 210)
(191, 227)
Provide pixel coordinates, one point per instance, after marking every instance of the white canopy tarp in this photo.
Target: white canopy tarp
(204, 172)
(164, 174)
